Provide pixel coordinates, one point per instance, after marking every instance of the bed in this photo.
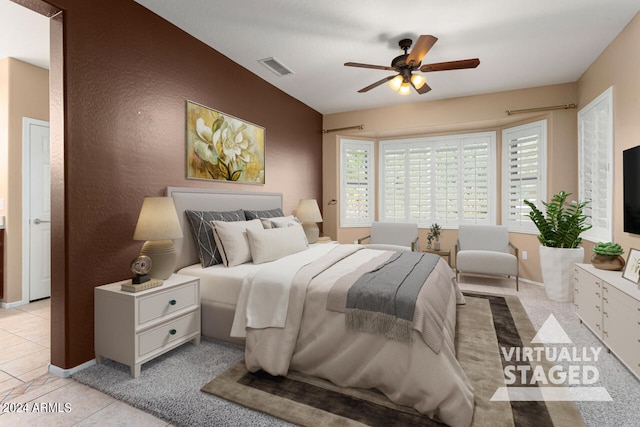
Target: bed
(242, 304)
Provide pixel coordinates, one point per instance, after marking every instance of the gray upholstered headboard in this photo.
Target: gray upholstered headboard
(200, 199)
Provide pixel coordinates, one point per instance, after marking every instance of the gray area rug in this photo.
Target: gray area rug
(169, 386)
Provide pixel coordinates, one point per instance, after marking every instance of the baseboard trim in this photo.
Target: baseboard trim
(66, 373)
(12, 304)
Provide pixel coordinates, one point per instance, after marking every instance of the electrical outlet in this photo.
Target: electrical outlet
(525, 255)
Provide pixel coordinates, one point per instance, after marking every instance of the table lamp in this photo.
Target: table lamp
(309, 215)
(158, 225)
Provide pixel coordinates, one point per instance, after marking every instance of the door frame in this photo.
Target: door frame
(26, 203)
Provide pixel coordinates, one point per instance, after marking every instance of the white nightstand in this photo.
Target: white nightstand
(133, 328)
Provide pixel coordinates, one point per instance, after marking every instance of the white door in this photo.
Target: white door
(39, 209)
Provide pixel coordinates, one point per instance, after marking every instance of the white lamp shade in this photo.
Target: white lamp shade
(308, 211)
(418, 80)
(405, 89)
(158, 220)
(395, 82)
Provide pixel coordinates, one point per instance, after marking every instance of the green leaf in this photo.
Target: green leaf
(562, 223)
(224, 169)
(236, 175)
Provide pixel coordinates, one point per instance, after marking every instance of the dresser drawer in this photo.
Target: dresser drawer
(163, 303)
(166, 334)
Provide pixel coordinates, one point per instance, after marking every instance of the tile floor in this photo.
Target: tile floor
(30, 396)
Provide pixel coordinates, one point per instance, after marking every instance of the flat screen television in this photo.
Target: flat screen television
(631, 183)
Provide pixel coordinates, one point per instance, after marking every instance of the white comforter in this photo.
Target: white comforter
(317, 342)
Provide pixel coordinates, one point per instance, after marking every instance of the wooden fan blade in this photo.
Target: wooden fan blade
(420, 49)
(451, 65)
(375, 67)
(376, 84)
(423, 89)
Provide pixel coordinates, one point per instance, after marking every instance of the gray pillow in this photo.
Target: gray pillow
(270, 213)
(200, 222)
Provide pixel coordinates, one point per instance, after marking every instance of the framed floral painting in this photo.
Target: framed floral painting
(221, 147)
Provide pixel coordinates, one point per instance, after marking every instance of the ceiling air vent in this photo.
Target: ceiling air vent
(276, 66)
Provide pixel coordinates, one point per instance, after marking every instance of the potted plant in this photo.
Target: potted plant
(560, 228)
(434, 234)
(607, 256)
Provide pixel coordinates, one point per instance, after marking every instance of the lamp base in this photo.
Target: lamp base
(163, 257)
(312, 231)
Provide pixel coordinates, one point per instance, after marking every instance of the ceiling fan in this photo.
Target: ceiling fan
(407, 64)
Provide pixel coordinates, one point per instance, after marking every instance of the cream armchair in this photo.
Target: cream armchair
(392, 236)
(485, 249)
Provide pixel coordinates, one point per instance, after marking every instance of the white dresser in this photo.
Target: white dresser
(133, 328)
(610, 306)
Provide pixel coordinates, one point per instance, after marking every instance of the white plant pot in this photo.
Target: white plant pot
(556, 265)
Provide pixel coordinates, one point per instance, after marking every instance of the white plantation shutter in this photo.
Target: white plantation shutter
(446, 183)
(356, 183)
(477, 185)
(595, 165)
(393, 182)
(524, 173)
(420, 180)
(449, 180)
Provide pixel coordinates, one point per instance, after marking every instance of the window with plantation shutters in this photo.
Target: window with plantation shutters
(524, 173)
(448, 180)
(356, 183)
(595, 165)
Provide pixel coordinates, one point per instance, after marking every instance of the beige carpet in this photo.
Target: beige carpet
(485, 323)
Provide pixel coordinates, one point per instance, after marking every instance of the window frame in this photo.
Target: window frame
(458, 142)
(601, 106)
(526, 225)
(368, 146)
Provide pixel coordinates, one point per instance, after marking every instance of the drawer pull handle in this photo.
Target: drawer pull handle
(172, 332)
(172, 302)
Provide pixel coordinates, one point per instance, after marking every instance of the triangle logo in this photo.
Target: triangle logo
(551, 333)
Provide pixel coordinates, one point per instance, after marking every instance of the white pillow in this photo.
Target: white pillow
(231, 239)
(270, 244)
(280, 221)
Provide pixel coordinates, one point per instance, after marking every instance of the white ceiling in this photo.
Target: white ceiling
(520, 43)
(24, 34)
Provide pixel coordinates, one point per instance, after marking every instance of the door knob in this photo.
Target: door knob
(39, 221)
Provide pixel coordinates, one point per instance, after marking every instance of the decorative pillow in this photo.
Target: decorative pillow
(279, 222)
(286, 221)
(231, 239)
(200, 222)
(275, 243)
(249, 215)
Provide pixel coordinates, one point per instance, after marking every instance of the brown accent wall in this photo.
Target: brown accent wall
(120, 76)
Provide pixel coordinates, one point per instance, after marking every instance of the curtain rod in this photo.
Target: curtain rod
(359, 127)
(532, 110)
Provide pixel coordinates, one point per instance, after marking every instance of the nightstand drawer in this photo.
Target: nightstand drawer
(163, 303)
(167, 333)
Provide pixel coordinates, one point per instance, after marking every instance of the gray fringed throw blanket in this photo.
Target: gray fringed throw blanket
(381, 295)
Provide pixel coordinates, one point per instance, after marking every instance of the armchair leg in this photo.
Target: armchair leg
(517, 284)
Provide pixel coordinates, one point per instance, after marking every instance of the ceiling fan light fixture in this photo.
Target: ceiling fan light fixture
(418, 81)
(405, 89)
(396, 82)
